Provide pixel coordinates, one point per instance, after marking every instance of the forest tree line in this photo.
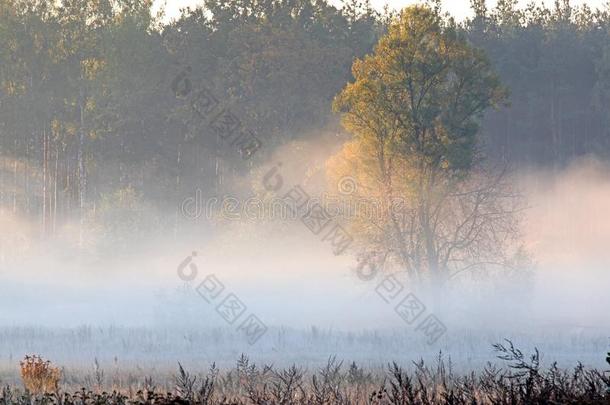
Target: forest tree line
(88, 118)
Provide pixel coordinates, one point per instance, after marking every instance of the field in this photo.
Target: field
(117, 365)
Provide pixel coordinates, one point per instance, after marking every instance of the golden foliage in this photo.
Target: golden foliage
(92, 67)
(39, 376)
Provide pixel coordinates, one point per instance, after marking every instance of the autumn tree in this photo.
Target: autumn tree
(414, 110)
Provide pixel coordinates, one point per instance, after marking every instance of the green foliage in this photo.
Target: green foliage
(89, 83)
(553, 61)
(425, 88)
(85, 90)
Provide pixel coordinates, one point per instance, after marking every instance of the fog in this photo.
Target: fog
(293, 282)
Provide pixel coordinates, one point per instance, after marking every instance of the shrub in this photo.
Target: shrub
(39, 376)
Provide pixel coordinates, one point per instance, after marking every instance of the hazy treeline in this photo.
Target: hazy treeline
(91, 130)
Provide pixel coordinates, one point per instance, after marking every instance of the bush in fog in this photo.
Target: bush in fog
(39, 376)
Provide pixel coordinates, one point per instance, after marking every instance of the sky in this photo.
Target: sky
(458, 8)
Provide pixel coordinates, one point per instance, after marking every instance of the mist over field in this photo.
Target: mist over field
(292, 280)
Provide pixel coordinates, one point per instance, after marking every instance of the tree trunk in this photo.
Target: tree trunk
(68, 207)
(15, 181)
(82, 175)
(54, 227)
(178, 207)
(45, 174)
(26, 187)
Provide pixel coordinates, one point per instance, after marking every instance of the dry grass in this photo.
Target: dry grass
(521, 380)
(39, 376)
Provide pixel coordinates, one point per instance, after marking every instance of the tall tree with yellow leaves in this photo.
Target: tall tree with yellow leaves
(414, 110)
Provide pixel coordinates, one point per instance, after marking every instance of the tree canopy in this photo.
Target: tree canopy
(87, 109)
